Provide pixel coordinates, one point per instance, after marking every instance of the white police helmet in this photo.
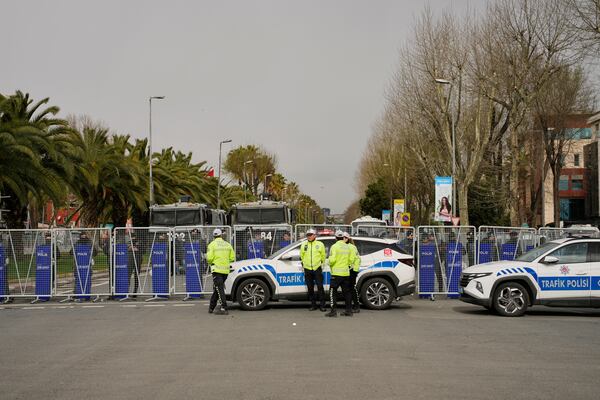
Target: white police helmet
(339, 234)
(346, 235)
(217, 232)
(311, 232)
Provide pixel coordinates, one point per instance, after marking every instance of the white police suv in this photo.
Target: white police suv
(386, 273)
(563, 272)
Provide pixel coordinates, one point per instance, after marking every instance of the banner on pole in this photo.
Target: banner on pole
(398, 211)
(443, 198)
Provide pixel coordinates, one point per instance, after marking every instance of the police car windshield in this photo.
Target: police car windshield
(538, 251)
(281, 251)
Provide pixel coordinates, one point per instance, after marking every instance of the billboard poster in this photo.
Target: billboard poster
(386, 216)
(443, 198)
(398, 211)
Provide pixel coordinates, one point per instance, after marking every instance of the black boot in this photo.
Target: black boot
(332, 313)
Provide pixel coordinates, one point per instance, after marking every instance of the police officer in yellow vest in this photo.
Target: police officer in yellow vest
(312, 254)
(220, 254)
(341, 256)
(354, 268)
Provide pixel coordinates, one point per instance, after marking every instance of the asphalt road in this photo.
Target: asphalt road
(175, 350)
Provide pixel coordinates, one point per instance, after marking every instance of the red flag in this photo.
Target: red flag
(211, 172)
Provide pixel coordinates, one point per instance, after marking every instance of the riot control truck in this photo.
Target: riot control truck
(261, 228)
(184, 213)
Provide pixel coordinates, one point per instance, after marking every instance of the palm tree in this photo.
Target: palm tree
(35, 158)
(107, 179)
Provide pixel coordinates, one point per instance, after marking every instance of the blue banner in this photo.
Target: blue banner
(485, 253)
(83, 270)
(508, 251)
(121, 271)
(193, 274)
(43, 272)
(160, 269)
(454, 253)
(427, 253)
(3, 274)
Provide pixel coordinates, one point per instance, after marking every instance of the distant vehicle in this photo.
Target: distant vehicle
(368, 226)
(261, 227)
(184, 213)
(386, 274)
(560, 273)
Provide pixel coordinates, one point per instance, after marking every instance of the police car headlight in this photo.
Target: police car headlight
(479, 275)
(479, 286)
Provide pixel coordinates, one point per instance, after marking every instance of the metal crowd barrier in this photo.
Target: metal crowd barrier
(442, 253)
(82, 260)
(260, 241)
(322, 229)
(504, 243)
(26, 264)
(88, 264)
(141, 263)
(404, 235)
(191, 272)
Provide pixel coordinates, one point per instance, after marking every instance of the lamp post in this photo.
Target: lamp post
(391, 192)
(221, 143)
(265, 184)
(150, 146)
(246, 178)
(447, 82)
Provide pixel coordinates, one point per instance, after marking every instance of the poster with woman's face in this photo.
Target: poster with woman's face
(443, 198)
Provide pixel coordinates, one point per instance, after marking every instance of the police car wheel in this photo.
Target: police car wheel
(377, 294)
(253, 294)
(511, 299)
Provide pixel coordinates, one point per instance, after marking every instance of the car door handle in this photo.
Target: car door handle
(583, 273)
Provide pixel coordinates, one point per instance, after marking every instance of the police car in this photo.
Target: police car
(564, 272)
(386, 273)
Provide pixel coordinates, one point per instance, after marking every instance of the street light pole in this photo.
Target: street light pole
(447, 82)
(265, 184)
(219, 180)
(150, 147)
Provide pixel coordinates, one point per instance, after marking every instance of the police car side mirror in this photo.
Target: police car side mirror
(550, 260)
(286, 257)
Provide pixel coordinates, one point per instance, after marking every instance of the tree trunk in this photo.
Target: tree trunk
(463, 198)
(514, 178)
(555, 197)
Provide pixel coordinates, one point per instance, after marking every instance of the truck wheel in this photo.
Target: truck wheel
(377, 294)
(253, 294)
(510, 299)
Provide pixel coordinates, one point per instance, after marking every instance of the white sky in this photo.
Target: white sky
(303, 79)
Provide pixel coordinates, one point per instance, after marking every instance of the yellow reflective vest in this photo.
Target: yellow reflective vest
(341, 257)
(220, 254)
(356, 265)
(312, 254)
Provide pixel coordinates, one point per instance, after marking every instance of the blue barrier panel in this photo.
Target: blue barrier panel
(121, 271)
(193, 258)
(485, 253)
(160, 269)
(256, 249)
(43, 272)
(426, 269)
(83, 270)
(454, 253)
(529, 247)
(508, 251)
(3, 275)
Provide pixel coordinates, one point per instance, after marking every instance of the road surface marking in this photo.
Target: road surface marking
(154, 305)
(92, 306)
(129, 305)
(183, 305)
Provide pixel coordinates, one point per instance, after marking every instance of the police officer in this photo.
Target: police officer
(312, 254)
(354, 268)
(341, 257)
(220, 254)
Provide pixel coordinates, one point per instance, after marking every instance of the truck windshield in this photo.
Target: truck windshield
(263, 216)
(163, 218)
(175, 218)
